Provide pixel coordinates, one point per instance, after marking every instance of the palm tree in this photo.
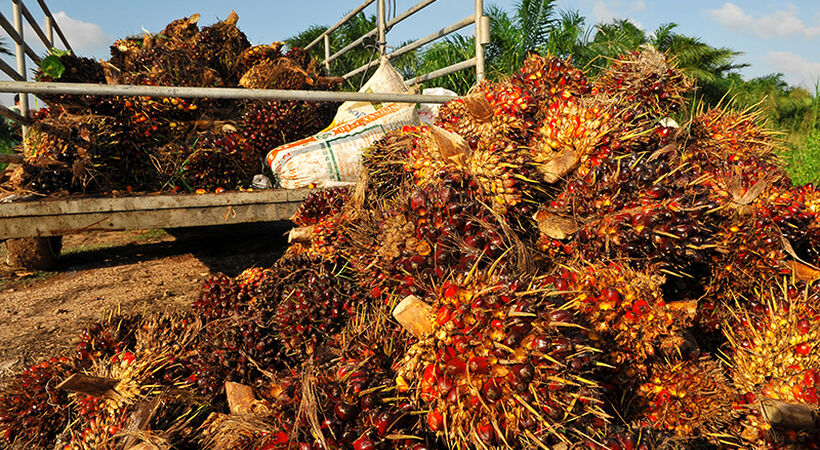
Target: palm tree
(568, 37)
(4, 47)
(444, 53)
(616, 38)
(697, 59)
(367, 51)
(512, 37)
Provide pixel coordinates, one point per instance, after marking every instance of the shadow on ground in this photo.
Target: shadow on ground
(227, 248)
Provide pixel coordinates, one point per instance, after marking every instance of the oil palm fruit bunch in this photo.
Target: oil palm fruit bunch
(254, 278)
(123, 53)
(689, 398)
(495, 110)
(620, 184)
(735, 135)
(32, 410)
(386, 164)
(48, 163)
(645, 77)
(360, 406)
(102, 418)
(773, 237)
(434, 229)
(219, 160)
(302, 58)
(625, 311)
(506, 174)
(309, 306)
(266, 125)
(512, 107)
(796, 212)
(75, 70)
(179, 34)
(220, 296)
(321, 204)
(237, 348)
(219, 46)
(774, 350)
(502, 366)
(571, 129)
(277, 73)
(68, 152)
(428, 157)
(549, 76)
(470, 117)
(113, 334)
(377, 241)
(328, 239)
(257, 53)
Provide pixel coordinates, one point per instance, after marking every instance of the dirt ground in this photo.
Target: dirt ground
(41, 313)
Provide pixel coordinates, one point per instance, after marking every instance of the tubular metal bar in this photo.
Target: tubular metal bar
(9, 114)
(338, 24)
(48, 14)
(414, 45)
(327, 54)
(442, 72)
(419, 6)
(226, 93)
(21, 63)
(50, 31)
(15, 36)
(382, 30)
(479, 47)
(8, 70)
(34, 25)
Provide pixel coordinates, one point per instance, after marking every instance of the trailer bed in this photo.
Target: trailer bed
(55, 217)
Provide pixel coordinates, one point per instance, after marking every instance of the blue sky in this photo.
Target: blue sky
(774, 36)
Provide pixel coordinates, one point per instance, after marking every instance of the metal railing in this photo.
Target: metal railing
(136, 90)
(477, 18)
(23, 50)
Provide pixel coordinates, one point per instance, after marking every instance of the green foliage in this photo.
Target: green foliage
(6, 146)
(803, 157)
(442, 54)
(367, 51)
(51, 64)
(4, 47)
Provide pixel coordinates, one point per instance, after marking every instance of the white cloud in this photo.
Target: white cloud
(784, 22)
(84, 37)
(797, 69)
(640, 5)
(602, 14)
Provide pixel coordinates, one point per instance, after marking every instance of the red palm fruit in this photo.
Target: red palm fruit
(456, 366)
(435, 420)
(802, 348)
(491, 390)
(486, 433)
(363, 443)
(479, 365)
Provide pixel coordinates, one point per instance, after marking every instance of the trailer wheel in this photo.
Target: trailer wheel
(38, 253)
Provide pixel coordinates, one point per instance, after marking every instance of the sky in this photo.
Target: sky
(773, 36)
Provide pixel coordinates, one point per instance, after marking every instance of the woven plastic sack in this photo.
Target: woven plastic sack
(333, 156)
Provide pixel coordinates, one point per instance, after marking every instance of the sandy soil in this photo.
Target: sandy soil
(42, 312)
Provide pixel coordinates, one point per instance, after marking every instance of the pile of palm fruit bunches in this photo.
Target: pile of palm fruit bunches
(555, 264)
(88, 144)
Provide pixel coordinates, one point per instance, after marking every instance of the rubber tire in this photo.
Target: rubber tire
(37, 253)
